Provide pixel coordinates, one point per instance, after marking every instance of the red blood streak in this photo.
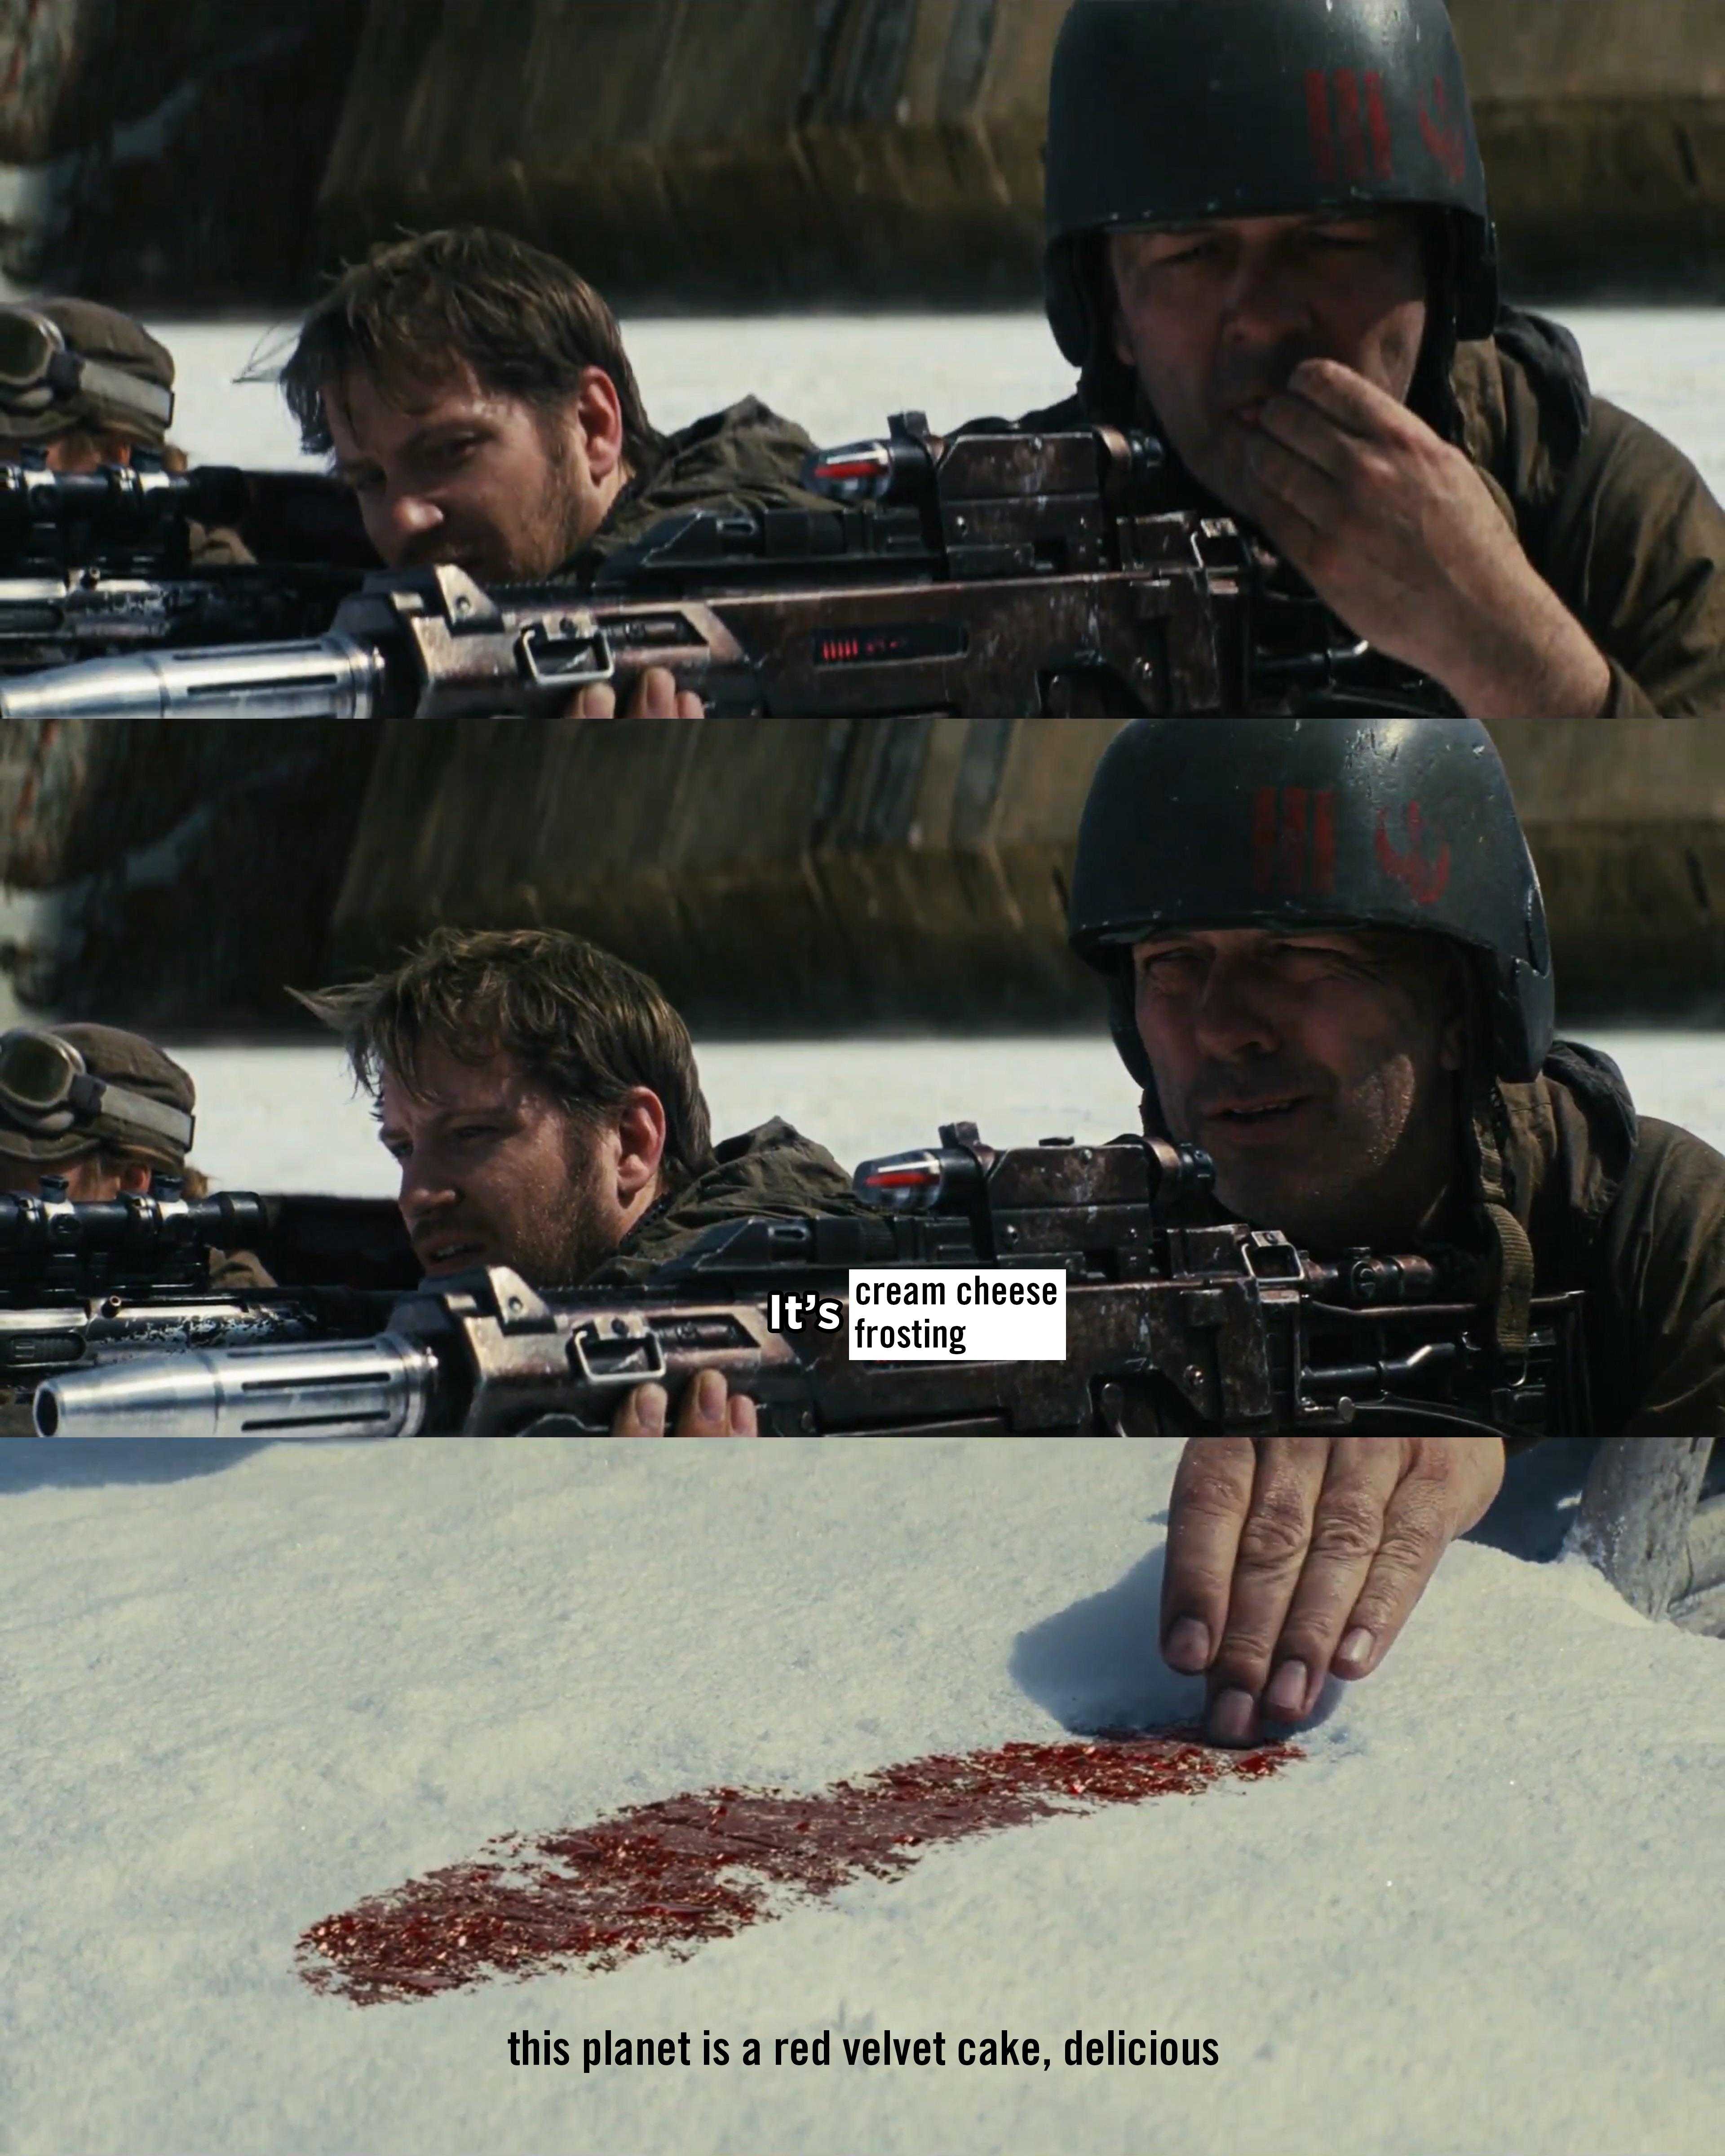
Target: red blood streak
(704, 1865)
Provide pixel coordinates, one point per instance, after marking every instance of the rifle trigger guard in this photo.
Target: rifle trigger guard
(631, 1348)
(574, 660)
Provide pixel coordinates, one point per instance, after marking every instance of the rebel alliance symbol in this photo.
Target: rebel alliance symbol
(1444, 137)
(1427, 881)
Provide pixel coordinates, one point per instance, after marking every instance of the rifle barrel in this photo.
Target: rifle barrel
(376, 1388)
(327, 677)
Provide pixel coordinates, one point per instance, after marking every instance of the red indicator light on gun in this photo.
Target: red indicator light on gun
(906, 1183)
(861, 471)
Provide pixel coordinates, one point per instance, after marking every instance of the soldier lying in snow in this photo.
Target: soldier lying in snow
(105, 1112)
(542, 1100)
(475, 394)
(1327, 964)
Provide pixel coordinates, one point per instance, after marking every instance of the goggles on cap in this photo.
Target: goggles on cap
(39, 370)
(47, 1089)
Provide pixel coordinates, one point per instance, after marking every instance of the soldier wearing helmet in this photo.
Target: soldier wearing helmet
(1327, 962)
(103, 1112)
(1269, 239)
(83, 385)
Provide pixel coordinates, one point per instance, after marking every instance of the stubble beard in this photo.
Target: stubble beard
(561, 520)
(567, 1238)
(1343, 1186)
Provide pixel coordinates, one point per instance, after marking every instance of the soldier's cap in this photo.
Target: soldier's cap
(144, 1108)
(116, 345)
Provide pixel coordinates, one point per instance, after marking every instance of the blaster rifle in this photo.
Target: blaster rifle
(999, 573)
(82, 1283)
(1173, 1325)
(102, 563)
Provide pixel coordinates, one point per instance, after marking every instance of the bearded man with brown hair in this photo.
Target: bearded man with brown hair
(476, 393)
(542, 1100)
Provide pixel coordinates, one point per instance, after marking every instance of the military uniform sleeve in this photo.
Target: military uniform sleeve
(1635, 548)
(1662, 1283)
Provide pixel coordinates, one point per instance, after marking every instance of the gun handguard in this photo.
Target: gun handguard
(481, 1354)
(997, 573)
(332, 677)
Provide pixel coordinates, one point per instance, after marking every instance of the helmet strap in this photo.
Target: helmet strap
(1509, 1251)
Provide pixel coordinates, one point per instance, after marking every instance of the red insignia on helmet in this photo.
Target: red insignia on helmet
(1323, 843)
(1317, 119)
(1293, 842)
(1427, 881)
(1360, 126)
(1378, 120)
(1445, 138)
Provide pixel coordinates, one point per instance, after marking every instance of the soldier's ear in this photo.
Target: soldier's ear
(641, 1125)
(597, 412)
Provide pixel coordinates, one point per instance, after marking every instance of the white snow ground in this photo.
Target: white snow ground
(244, 1688)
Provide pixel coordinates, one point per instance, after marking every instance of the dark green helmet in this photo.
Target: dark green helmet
(1174, 111)
(1299, 823)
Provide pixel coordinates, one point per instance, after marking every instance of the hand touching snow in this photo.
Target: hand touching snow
(1292, 1559)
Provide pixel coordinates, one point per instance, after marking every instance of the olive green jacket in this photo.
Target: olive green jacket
(1619, 522)
(745, 458)
(1633, 1211)
(773, 1173)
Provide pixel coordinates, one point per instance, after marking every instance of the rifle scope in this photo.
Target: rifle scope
(133, 1226)
(118, 501)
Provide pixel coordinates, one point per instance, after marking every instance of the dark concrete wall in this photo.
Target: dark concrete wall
(773, 873)
(747, 151)
(780, 873)
(711, 150)
(173, 875)
(173, 149)
(733, 153)
(1603, 126)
